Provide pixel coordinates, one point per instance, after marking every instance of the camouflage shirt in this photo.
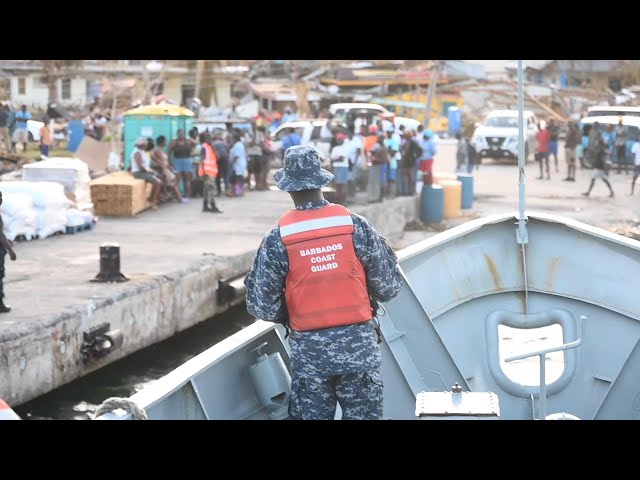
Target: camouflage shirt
(330, 351)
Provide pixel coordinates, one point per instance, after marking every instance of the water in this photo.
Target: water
(79, 399)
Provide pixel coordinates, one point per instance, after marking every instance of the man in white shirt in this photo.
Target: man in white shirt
(635, 150)
(340, 164)
(353, 145)
(360, 121)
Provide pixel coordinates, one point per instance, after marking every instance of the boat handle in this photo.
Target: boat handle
(542, 354)
(566, 346)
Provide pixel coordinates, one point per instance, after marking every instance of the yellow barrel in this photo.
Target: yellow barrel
(439, 177)
(452, 198)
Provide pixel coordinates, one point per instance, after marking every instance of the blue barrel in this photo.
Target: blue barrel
(76, 134)
(432, 203)
(467, 189)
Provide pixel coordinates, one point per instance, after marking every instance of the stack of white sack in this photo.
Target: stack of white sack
(77, 218)
(72, 173)
(18, 216)
(50, 204)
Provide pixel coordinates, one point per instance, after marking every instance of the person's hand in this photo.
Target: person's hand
(12, 255)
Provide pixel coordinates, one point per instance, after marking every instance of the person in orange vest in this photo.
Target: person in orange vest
(321, 272)
(208, 171)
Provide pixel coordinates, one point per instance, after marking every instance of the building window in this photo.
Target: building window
(22, 86)
(39, 82)
(66, 89)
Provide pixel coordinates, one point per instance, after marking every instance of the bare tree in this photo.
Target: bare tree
(54, 70)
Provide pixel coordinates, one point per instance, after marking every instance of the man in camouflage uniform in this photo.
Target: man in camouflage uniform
(329, 365)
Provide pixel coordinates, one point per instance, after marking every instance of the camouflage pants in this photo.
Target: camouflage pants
(359, 395)
(209, 190)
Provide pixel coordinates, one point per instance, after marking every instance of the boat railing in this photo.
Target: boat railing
(542, 357)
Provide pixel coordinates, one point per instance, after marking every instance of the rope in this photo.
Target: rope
(113, 403)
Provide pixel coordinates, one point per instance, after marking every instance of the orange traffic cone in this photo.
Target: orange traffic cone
(6, 412)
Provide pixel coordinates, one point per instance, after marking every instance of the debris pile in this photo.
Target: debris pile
(10, 162)
(480, 97)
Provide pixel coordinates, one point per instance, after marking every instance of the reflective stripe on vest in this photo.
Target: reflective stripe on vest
(208, 166)
(299, 225)
(326, 284)
(7, 413)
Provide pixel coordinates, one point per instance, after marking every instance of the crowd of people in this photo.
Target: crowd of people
(385, 161)
(202, 164)
(605, 147)
(14, 130)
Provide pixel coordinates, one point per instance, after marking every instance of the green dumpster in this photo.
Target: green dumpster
(151, 121)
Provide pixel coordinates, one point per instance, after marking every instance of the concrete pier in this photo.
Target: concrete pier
(175, 257)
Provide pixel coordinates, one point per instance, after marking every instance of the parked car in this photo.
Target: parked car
(497, 136)
(310, 132)
(344, 114)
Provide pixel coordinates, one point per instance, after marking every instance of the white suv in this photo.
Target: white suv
(497, 137)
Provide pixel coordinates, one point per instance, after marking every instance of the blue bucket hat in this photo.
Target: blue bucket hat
(302, 170)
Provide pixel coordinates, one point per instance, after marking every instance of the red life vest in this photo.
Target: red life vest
(209, 166)
(326, 285)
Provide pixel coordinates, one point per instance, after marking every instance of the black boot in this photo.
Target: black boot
(205, 206)
(4, 308)
(215, 209)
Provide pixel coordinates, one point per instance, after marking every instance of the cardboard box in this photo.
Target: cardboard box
(119, 194)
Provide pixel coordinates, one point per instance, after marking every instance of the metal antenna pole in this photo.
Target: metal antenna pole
(521, 232)
(522, 229)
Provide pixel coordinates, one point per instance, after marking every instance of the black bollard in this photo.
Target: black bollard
(110, 264)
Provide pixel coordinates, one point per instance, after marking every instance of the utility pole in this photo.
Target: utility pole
(435, 73)
(301, 91)
(199, 72)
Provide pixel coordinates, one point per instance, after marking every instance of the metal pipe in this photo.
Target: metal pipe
(526, 281)
(566, 346)
(542, 356)
(542, 396)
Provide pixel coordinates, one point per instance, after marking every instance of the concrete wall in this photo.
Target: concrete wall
(44, 355)
(173, 88)
(37, 92)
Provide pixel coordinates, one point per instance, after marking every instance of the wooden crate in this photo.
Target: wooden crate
(118, 194)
